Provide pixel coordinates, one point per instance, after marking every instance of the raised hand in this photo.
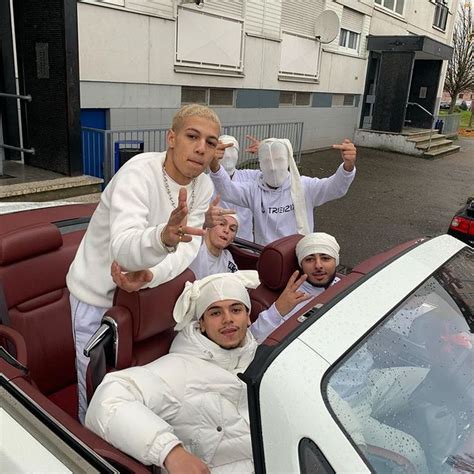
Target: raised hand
(130, 281)
(215, 214)
(180, 461)
(218, 154)
(348, 153)
(253, 145)
(176, 230)
(290, 296)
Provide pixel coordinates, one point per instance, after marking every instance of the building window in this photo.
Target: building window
(223, 97)
(295, 98)
(207, 96)
(394, 5)
(349, 39)
(343, 100)
(441, 14)
(193, 95)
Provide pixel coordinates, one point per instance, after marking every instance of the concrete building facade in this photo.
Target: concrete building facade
(258, 61)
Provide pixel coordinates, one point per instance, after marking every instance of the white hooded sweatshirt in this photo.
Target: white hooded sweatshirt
(273, 209)
(191, 396)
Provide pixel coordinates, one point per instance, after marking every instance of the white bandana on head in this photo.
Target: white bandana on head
(231, 154)
(275, 156)
(317, 242)
(199, 295)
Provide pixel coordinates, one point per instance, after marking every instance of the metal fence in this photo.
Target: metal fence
(104, 151)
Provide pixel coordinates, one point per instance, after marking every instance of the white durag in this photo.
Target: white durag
(269, 151)
(317, 242)
(231, 154)
(199, 295)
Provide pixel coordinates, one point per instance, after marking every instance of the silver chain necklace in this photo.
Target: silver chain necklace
(167, 187)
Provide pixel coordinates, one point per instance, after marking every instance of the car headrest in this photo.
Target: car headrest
(152, 308)
(28, 242)
(278, 261)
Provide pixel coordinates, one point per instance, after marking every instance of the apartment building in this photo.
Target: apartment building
(335, 65)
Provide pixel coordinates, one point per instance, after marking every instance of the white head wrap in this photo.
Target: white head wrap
(231, 154)
(199, 295)
(275, 156)
(317, 242)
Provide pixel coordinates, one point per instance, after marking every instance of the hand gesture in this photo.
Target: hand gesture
(215, 214)
(348, 153)
(130, 281)
(180, 461)
(254, 144)
(218, 154)
(176, 230)
(290, 296)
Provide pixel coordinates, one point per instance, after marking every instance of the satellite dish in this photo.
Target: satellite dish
(326, 26)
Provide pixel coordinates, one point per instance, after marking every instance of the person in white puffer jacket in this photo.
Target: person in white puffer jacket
(187, 411)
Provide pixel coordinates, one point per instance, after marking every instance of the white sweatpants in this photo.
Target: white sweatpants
(85, 321)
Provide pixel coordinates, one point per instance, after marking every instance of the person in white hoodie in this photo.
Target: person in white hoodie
(229, 162)
(187, 411)
(282, 202)
(318, 256)
(150, 216)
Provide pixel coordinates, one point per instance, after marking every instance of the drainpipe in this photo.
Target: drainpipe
(17, 80)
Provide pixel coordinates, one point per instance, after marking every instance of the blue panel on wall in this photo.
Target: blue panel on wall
(357, 99)
(93, 141)
(321, 99)
(257, 99)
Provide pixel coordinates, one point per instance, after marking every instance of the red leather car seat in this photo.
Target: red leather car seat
(143, 324)
(276, 264)
(34, 261)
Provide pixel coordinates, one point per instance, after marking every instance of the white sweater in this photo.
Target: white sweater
(270, 319)
(127, 225)
(273, 209)
(206, 263)
(244, 214)
(191, 396)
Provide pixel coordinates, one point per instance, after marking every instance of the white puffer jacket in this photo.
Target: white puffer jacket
(192, 395)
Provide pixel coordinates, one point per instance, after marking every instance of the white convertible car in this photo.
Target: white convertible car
(374, 375)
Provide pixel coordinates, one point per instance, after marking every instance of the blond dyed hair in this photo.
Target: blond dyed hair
(194, 110)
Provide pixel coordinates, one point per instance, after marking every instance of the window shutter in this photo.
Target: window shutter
(352, 20)
(154, 7)
(226, 7)
(299, 16)
(262, 17)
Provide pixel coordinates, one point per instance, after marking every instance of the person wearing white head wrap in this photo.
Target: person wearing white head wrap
(229, 162)
(288, 208)
(318, 256)
(213, 256)
(166, 412)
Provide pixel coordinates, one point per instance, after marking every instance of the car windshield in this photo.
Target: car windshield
(405, 395)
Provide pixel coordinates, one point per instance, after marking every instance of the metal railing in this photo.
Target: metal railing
(102, 149)
(432, 120)
(4, 146)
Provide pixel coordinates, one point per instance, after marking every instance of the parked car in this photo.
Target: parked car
(384, 355)
(462, 224)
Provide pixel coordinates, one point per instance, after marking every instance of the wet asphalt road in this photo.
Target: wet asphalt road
(394, 198)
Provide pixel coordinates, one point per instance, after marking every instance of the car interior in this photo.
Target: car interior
(36, 249)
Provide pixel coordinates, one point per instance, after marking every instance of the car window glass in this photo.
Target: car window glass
(405, 395)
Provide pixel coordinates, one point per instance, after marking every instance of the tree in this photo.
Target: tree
(460, 72)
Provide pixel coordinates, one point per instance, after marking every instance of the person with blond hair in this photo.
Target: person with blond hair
(152, 208)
